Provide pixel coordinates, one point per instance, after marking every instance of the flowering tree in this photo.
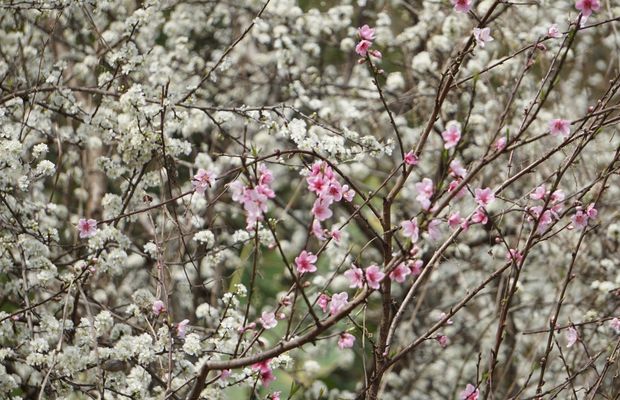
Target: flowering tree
(297, 199)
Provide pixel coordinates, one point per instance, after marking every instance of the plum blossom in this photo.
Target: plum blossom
(274, 395)
(539, 193)
(265, 373)
(87, 228)
(559, 127)
(615, 325)
(225, 374)
(355, 276)
(571, 336)
(462, 6)
(456, 169)
(500, 144)
(346, 340)
(416, 267)
(482, 36)
(554, 32)
(455, 220)
(305, 262)
(470, 393)
(514, 255)
(451, 135)
(268, 320)
(336, 234)
(339, 301)
(366, 33)
(587, 6)
(362, 47)
(321, 210)
(425, 192)
(411, 159)
(484, 197)
(323, 182)
(411, 229)
(323, 301)
(158, 307)
(203, 180)
(479, 216)
(374, 276)
(433, 229)
(254, 199)
(400, 273)
(317, 230)
(443, 340)
(581, 218)
(181, 327)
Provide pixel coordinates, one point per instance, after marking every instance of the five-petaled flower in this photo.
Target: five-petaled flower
(451, 135)
(482, 36)
(411, 229)
(268, 320)
(484, 197)
(355, 276)
(158, 307)
(366, 33)
(346, 340)
(559, 127)
(203, 180)
(339, 301)
(305, 262)
(87, 228)
(374, 276)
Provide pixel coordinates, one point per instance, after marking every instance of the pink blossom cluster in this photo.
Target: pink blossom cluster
(582, 217)
(254, 199)
(371, 275)
(323, 183)
(366, 35)
(546, 216)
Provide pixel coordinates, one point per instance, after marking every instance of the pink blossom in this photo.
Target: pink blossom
(366, 33)
(362, 47)
(559, 127)
(411, 159)
(348, 194)
(482, 36)
(580, 220)
(587, 6)
(484, 197)
(456, 169)
(514, 255)
(455, 220)
(268, 320)
(274, 395)
(416, 267)
(355, 276)
(615, 325)
(346, 340)
(262, 366)
(374, 276)
(479, 216)
(203, 180)
(452, 187)
(339, 301)
(323, 302)
(225, 374)
(181, 327)
(411, 229)
(266, 377)
(443, 340)
(554, 32)
(500, 144)
(433, 229)
(400, 273)
(317, 230)
(571, 336)
(336, 234)
(451, 135)
(87, 228)
(591, 211)
(444, 315)
(158, 307)
(539, 193)
(425, 192)
(462, 6)
(470, 393)
(321, 210)
(305, 262)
